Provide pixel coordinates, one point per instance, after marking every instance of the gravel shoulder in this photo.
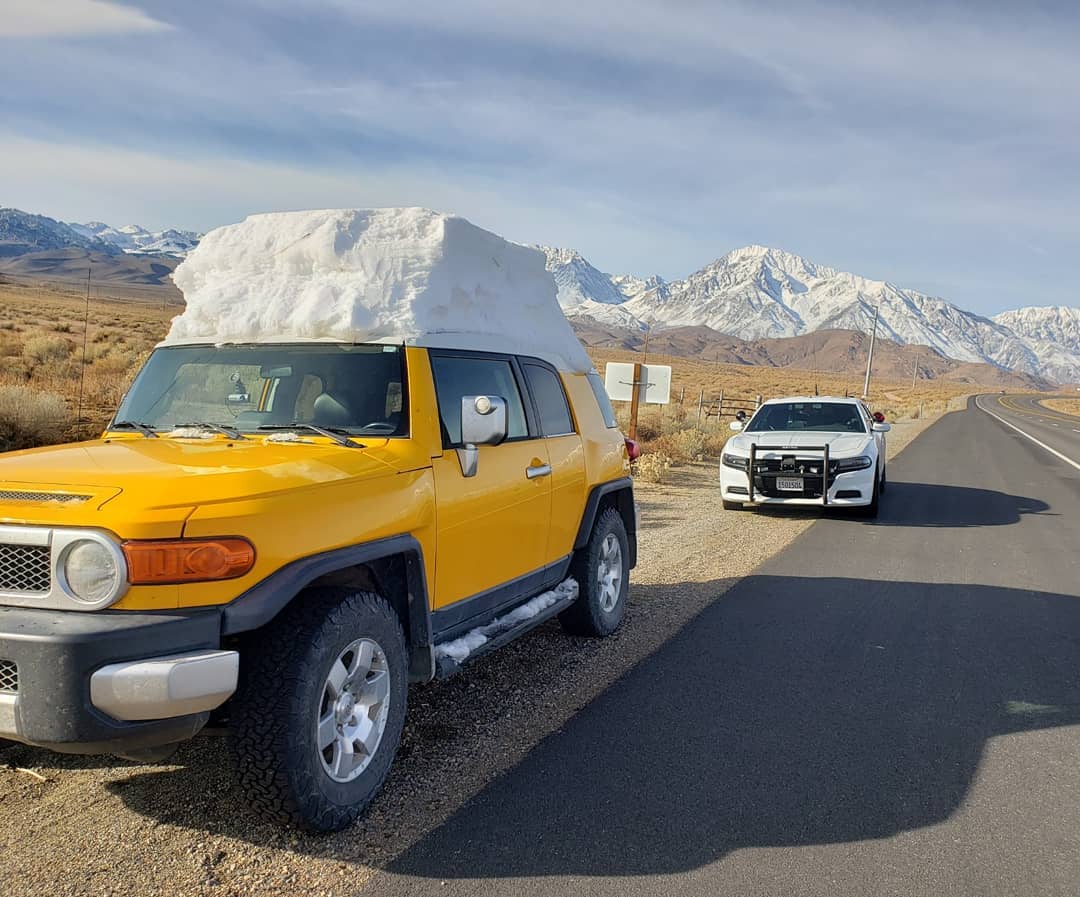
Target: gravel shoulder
(94, 825)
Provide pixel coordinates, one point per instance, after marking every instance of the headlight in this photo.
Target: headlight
(735, 461)
(861, 462)
(92, 573)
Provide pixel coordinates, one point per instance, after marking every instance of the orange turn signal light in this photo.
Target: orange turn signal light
(187, 560)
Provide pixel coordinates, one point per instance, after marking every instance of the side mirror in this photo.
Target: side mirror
(483, 422)
(882, 428)
(736, 425)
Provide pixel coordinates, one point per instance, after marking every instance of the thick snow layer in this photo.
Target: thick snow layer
(460, 648)
(373, 275)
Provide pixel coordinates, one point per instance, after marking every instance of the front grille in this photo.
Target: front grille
(25, 568)
(9, 677)
(63, 497)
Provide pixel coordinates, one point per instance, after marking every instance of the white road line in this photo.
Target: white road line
(1043, 445)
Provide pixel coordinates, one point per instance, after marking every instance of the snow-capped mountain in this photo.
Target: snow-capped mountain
(1053, 333)
(136, 239)
(22, 232)
(761, 293)
(585, 290)
(1053, 324)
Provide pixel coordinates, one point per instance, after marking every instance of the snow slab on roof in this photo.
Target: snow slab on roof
(373, 275)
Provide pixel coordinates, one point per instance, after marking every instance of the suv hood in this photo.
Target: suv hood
(841, 445)
(137, 477)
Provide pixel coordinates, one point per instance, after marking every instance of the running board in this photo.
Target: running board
(446, 665)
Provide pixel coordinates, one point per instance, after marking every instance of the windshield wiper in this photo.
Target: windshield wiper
(147, 431)
(224, 429)
(340, 436)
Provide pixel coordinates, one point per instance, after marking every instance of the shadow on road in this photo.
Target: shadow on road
(931, 505)
(925, 504)
(792, 712)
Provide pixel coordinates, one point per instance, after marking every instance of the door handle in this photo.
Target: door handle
(541, 470)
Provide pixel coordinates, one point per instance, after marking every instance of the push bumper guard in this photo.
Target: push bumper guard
(790, 465)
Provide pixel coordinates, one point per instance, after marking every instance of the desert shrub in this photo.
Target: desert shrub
(14, 367)
(114, 362)
(30, 417)
(651, 467)
(10, 347)
(62, 327)
(45, 349)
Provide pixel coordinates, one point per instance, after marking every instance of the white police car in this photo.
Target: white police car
(814, 450)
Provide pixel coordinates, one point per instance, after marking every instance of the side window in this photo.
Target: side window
(600, 391)
(457, 376)
(547, 390)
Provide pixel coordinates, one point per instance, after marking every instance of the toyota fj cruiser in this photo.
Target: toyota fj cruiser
(284, 535)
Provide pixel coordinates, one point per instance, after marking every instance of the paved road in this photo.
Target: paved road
(1053, 428)
(884, 708)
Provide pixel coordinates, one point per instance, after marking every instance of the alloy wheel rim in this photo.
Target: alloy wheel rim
(609, 573)
(353, 708)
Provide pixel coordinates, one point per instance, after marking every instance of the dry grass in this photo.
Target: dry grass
(678, 433)
(1065, 406)
(41, 350)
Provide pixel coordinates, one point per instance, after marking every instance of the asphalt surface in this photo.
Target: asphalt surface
(885, 707)
(1053, 428)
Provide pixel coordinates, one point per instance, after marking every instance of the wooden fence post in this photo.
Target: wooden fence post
(635, 398)
(700, 402)
(720, 405)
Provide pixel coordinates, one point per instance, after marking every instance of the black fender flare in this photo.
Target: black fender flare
(261, 603)
(623, 490)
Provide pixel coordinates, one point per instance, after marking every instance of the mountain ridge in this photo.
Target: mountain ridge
(759, 292)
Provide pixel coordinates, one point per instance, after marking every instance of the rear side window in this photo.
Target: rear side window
(550, 399)
(459, 376)
(606, 411)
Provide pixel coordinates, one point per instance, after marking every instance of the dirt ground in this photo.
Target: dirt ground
(98, 826)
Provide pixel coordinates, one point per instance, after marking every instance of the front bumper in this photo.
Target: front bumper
(74, 671)
(851, 489)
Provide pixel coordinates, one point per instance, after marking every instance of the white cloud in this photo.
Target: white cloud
(72, 18)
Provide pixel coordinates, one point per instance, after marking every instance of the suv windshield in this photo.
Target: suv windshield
(358, 389)
(842, 417)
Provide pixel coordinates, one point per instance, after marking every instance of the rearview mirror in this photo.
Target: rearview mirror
(882, 428)
(483, 422)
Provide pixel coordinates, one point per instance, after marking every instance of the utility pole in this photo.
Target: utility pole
(870, 357)
(915, 375)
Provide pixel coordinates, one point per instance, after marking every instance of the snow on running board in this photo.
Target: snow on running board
(460, 648)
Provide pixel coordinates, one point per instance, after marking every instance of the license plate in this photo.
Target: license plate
(789, 484)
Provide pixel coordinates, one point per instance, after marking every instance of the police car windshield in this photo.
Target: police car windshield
(832, 417)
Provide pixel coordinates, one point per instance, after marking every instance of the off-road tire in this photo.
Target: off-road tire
(277, 705)
(587, 615)
(733, 505)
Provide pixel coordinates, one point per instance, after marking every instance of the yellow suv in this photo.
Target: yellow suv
(284, 535)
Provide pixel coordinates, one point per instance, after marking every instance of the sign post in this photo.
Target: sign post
(637, 383)
(635, 401)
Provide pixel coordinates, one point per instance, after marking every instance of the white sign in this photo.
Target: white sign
(655, 382)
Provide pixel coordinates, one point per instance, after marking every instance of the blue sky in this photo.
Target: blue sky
(935, 145)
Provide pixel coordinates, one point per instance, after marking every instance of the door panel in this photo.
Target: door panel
(492, 527)
(568, 492)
